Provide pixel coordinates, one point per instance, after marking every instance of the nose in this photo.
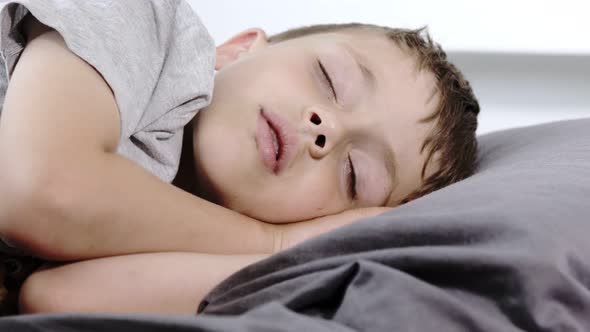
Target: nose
(325, 130)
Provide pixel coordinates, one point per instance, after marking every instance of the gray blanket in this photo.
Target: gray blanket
(504, 250)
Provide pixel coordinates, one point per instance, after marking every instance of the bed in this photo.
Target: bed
(505, 250)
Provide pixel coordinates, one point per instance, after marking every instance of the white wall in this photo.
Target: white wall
(518, 89)
(528, 61)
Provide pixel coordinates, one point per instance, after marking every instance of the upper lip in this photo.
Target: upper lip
(287, 138)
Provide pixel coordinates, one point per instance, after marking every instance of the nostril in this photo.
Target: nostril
(320, 141)
(315, 119)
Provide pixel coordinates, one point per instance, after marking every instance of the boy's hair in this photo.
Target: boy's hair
(456, 114)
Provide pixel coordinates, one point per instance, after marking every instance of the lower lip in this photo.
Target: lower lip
(265, 146)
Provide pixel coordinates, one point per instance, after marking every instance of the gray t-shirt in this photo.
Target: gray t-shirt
(156, 56)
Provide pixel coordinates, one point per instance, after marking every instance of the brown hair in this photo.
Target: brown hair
(453, 135)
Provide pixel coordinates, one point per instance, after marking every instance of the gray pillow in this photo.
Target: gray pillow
(507, 249)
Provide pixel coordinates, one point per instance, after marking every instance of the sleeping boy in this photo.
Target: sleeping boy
(157, 165)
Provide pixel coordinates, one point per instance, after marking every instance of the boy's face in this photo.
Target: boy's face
(272, 101)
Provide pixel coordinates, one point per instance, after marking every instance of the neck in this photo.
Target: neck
(185, 177)
(188, 177)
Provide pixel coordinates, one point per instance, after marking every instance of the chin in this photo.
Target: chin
(269, 212)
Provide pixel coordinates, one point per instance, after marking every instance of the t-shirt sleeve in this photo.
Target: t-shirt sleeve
(156, 56)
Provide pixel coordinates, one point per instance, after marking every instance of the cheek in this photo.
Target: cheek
(293, 198)
(313, 200)
(316, 191)
(280, 81)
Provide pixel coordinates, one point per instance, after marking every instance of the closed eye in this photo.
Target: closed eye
(351, 180)
(327, 79)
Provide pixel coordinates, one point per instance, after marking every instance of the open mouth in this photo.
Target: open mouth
(276, 141)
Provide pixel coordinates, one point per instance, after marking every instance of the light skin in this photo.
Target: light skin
(371, 119)
(360, 122)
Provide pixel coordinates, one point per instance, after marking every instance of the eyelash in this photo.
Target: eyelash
(327, 79)
(351, 180)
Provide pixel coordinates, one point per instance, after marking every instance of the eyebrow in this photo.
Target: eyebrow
(368, 76)
(371, 80)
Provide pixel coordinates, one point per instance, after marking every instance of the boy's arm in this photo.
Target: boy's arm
(163, 283)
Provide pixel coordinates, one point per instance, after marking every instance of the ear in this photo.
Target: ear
(244, 42)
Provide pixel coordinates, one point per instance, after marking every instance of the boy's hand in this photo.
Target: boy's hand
(289, 235)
